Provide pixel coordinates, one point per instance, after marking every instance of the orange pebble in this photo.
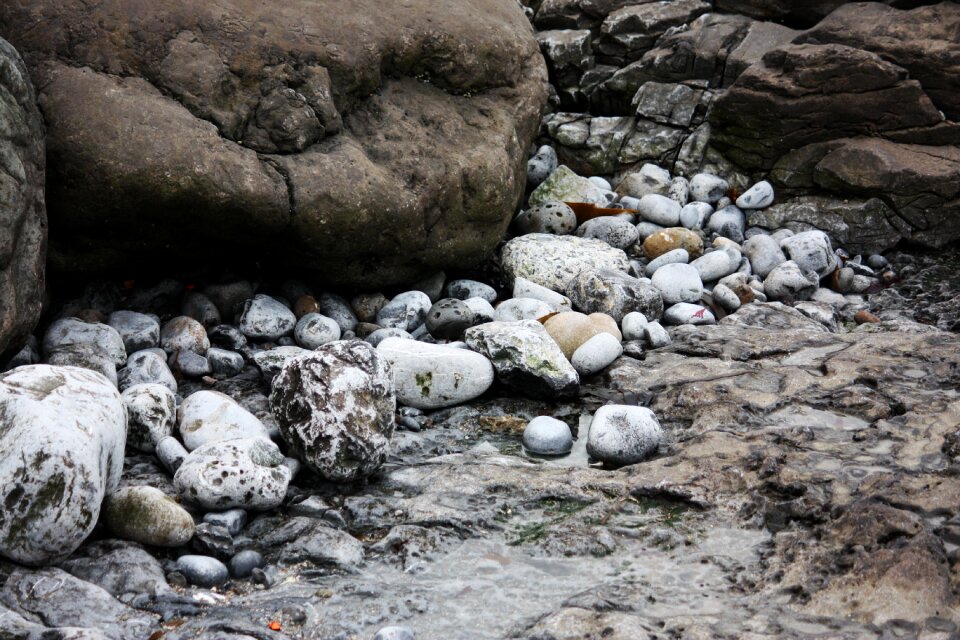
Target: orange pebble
(274, 625)
(863, 317)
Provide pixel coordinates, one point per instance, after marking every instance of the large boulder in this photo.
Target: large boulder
(368, 142)
(23, 217)
(62, 434)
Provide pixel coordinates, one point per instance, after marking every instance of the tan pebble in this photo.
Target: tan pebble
(661, 242)
(864, 317)
(571, 329)
(305, 304)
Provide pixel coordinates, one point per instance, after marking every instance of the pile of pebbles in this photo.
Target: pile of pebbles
(194, 365)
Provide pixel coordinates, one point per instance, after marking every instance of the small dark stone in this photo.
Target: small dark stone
(243, 564)
(213, 540)
(202, 571)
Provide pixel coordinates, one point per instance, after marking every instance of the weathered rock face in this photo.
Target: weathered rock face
(62, 431)
(23, 217)
(362, 141)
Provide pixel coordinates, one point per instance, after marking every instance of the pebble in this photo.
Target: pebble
(243, 472)
(243, 563)
(603, 183)
(541, 165)
(270, 361)
(676, 256)
(429, 376)
(563, 185)
(650, 179)
(405, 311)
(447, 319)
(189, 364)
(656, 335)
(366, 306)
(706, 187)
(819, 311)
(616, 232)
(184, 334)
(865, 317)
(623, 434)
(659, 243)
(229, 297)
(224, 363)
(547, 436)
(614, 293)
(137, 330)
(678, 283)
(525, 357)
(395, 633)
(523, 288)
(726, 298)
(304, 305)
(202, 571)
(148, 516)
(679, 190)
(716, 264)
(233, 520)
(877, 261)
(146, 367)
(759, 196)
(633, 325)
(764, 254)
(171, 453)
(551, 261)
(647, 229)
(266, 318)
(596, 354)
(788, 282)
(199, 307)
(313, 330)
(483, 311)
(571, 329)
(380, 335)
(151, 414)
(686, 313)
(210, 416)
(811, 251)
(227, 336)
(659, 210)
(465, 289)
(556, 218)
(729, 222)
(338, 309)
(431, 285)
(694, 215)
(522, 309)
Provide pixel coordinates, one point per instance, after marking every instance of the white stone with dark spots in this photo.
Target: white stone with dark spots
(541, 165)
(556, 218)
(270, 362)
(616, 232)
(137, 330)
(266, 318)
(338, 309)
(151, 414)
(449, 318)
(759, 196)
(313, 330)
(789, 282)
(431, 376)
(811, 251)
(551, 261)
(464, 289)
(146, 367)
(522, 309)
(184, 334)
(405, 311)
(623, 434)
(706, 187)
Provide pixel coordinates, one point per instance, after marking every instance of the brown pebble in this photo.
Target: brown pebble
(305, 304)
(863, 317)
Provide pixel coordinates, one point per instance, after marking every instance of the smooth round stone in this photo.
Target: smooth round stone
(616, 232)
(430, 376)
(877, 261)
(313, 330)
(632, 326)
(463, 289)
(233, 520)
(338, 309)
(245, 472)
(483, 311)
(405, 311)
(243, 563)
(137, 330)
(686, 313)
(395, 633)
(224, 363)
(227, 336)
(614, 293)
(788, 282)
(523, 288)
(659, 210)
(547, 436)
(366, 306)
(628, 202)
(679, 190)
(556, 218)
(202, 571)
(726, 297)
(189, 364)
(449, 318)
(146, 367)
(199, 307)
(694, 215)
(596, 354)
(184, 334)
(725, 201)
(305, 304)
(380, 335)
(716, 264)
(151, 414)
(148, 516)
(271, 361)
(811, 251)
(656, 336)
(724, 220)
(677, 256)
(211, 416)
(72, 334)
(266, 318)
(665, 240)
(603, 183)
(758, 196)
(678, 283)
(571, 329)
(541, 165)
(706, 187)
(647, 229)
(623, 434)
(522, 309)
(764, 254)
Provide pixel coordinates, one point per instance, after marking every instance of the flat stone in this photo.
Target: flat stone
(429, 376)
(522, 309)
